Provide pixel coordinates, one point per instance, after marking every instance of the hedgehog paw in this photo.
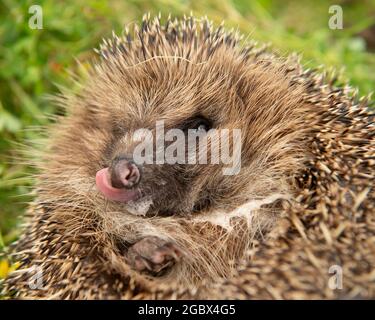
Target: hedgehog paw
(153, 256)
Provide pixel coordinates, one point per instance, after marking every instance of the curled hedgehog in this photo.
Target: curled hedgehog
(103, 226)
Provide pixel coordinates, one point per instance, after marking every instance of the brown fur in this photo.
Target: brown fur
(307, 144)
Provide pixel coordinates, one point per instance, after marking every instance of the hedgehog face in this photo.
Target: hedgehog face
(217, 95)
(169, 171)
(176, 187)
(219, 91)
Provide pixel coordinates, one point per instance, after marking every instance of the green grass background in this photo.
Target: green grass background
(32, 62)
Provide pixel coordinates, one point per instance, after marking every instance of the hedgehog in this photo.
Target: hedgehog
(295, 222)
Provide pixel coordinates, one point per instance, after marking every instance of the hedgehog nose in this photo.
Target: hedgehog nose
(124, 173)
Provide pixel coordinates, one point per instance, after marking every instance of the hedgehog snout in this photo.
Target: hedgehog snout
(124, 173)
(119, 181)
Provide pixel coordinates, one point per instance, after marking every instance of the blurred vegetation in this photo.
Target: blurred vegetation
(32, 62)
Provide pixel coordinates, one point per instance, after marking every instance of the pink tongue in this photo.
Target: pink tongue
(104, 185)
